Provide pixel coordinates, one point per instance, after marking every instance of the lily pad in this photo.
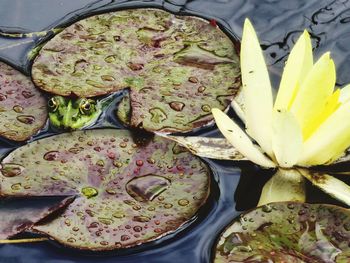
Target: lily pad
(126, 193)
(22, 107)
(18, 215)
(287, 232)
(177, 67)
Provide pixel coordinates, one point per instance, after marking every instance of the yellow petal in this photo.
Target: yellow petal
(284, 186)
(257, 94)
(240, 141)
(314, 91)
(287, 139)
(331, 105)
(297, 67)
(214, 148)
(329, 184)
(330, 140)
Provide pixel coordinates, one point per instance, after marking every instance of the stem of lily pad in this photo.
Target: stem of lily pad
(285, 185)
(24, 240)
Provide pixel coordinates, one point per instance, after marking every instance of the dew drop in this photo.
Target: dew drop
(71, 240)
(176, 105)
(11, 169)
(67, 222)
(167, 205)
(117, 164)
(118, 214)
(105, 220)
(18, 108)
(16, 187)
(100, 163)
(148, 187)
(137, 228)
(104, 243)
(139, 162)
(75, 229)
(111, 191)
(26, 119)
(193, 79)
(206, 108)
(89, 192)
(51, 156)
(124, 238)
(93, 225)
(27, 94)
(201, 89)
(2, 97)
(142, 219)
(183, 202)
(266, 208)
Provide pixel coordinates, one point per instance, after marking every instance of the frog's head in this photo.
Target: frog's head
(71, 114)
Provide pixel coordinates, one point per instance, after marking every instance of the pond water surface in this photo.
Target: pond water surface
(278, 23)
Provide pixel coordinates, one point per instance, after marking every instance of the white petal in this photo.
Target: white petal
(240, 141)
(238, 105)
(214, 148)
(285, 185)
(287, 140)
(256, 89)
(329, 184)
(344, 94)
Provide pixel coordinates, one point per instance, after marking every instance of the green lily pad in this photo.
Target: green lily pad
(125, 193)
(177, 67)
(22, 107)
(287, 232)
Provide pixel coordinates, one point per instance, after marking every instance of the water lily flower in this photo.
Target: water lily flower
(307, 125)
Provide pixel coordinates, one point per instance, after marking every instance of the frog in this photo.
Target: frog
(71, 114)
(75, 113)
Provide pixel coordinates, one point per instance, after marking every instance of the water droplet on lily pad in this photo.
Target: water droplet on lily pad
(148, 187)
(11, 169)
(89, 192)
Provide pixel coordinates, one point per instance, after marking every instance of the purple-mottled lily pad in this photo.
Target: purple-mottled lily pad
(18, 215)
(177, 67)
(126, 193)
(287, 232)
(22, 107)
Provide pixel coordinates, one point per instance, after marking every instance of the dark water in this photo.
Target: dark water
(278, 23)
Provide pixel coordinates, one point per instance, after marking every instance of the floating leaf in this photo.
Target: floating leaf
(177, 68)
(287, 232)
(22, 107)
(126, 193)
(18, 215)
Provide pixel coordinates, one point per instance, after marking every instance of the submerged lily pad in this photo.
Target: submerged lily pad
(177, 67)
(22, 107)
(126, 194)
(288, 232)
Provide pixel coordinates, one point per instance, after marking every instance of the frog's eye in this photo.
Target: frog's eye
(53, 104)
(87, 106)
